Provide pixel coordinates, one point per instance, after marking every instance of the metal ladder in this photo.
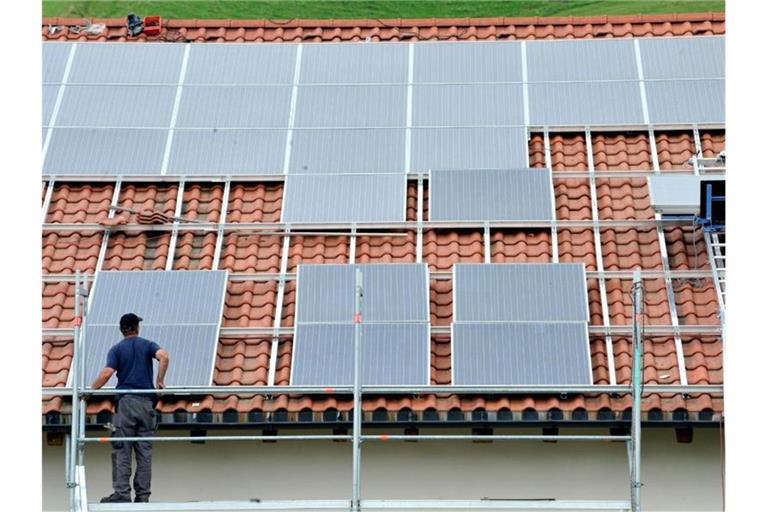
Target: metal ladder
(716, 250)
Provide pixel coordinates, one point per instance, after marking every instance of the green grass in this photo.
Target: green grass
(287, 9)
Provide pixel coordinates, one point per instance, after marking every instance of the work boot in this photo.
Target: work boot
(141, 499)
(116, 498)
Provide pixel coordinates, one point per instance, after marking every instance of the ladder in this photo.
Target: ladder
(716, 253)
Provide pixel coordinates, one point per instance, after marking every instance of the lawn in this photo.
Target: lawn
(287, 9)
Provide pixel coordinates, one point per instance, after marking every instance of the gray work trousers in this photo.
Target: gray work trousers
(135, 417)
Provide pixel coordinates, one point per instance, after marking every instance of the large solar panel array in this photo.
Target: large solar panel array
(491, 195)
(395, 314)
(520, 323)
(357, 108)
(182, 313)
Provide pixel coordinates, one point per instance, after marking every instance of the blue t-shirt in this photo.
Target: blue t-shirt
(132, 358)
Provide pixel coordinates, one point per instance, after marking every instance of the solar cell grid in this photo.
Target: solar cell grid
(581, 59)
(347, 151)
(120, 63)
(468, 148)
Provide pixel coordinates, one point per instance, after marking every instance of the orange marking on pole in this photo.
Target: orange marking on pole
(78, 321)
(638, 317)
(358, 318)
(384, 437)
(103, 439)
(328, 390)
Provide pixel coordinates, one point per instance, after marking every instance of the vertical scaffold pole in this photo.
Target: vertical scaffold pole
(357, 409)
(82, 408)
(637, 385)
(75, 416)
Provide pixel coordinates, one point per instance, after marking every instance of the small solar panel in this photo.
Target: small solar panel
(683, 57)
(491, 195)
(585, 103)
(462, 62)
(392, 354)
(581, 59)
(226, 151)
(240, 64)
(469, 105)
(468, 148)
(354, 63)
(520, 354)
(686, 101)
(234, 107)
(393, 292)
(344, 198)
(181, 311)
(347, 151)
(344, 106)
(520, 292)
(134, 106)
(120, 63)
(74, 151)
(50, 92)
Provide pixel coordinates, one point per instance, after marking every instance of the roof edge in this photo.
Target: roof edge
(409, 22)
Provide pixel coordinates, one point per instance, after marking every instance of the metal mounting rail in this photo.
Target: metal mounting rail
(257, 504)
(396, 390)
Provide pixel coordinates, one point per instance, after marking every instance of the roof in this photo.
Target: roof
(253, 303)
(469, 29)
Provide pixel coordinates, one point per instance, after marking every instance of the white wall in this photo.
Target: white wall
(675, 476)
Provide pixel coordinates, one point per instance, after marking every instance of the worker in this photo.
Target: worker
(134, 416)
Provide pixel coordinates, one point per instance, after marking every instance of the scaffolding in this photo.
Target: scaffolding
(76, 439)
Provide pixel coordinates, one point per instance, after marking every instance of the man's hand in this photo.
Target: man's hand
(160, 384)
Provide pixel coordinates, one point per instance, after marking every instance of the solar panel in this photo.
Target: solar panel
(393, 292)
(74, 151)
(678, 195)
(54, 61)
(215, 151)
(685, 102)
(468, 148)
(354, 63)
(351, 106)
(49, 99)
(344, 198)
(116, 106)
(490, 195)
(457, 62)
(585, 103)
(581, 59)
(182, 312)
(683, 57)
(520, 354)
(240, 64)
(191, 347)
(468, 105)
(347, 151)
(520, 292)
(392, 354)
(120, 63)
(234, 107)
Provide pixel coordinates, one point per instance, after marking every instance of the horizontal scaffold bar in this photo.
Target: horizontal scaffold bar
(380, 437)
(396, 390)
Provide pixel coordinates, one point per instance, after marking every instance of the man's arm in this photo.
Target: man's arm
(162, 356)
(101, 379)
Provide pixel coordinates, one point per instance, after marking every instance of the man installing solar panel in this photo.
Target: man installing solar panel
(132, 358)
